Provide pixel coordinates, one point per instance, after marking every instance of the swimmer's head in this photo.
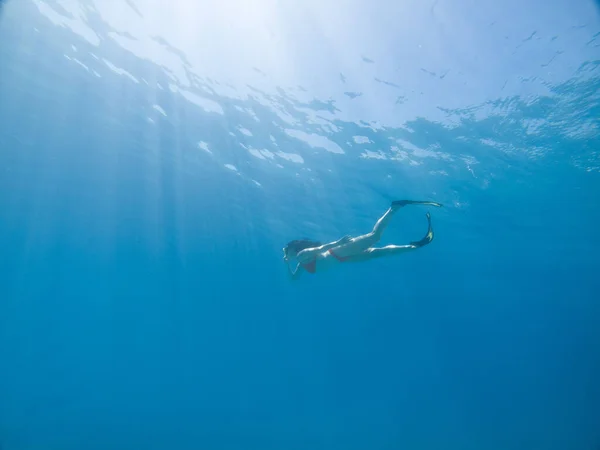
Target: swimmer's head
(296, 246)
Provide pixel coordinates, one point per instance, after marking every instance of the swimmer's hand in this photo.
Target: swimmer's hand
(344, 240)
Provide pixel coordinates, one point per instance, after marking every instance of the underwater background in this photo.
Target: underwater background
(156, 156)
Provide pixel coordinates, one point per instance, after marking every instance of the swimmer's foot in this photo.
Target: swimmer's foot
(401, 203)
(428, 237)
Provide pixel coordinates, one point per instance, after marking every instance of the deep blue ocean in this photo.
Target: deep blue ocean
(155, 158)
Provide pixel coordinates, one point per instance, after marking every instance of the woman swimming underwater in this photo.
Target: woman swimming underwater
(312, 256)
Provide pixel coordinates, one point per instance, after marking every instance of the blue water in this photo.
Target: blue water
(144, 303)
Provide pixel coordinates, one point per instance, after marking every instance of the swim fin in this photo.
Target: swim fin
(428, 237)
(414, 202)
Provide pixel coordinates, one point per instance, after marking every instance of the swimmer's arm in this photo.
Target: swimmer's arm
(294, 274)
(309, 253)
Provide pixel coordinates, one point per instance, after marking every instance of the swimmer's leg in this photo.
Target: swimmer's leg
(400, 203)
(389, 250)
(378, 252)
(384, 221)
(366, 241)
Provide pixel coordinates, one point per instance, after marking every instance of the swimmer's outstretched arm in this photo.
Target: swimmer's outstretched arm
(309, 253)
(294, 274)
